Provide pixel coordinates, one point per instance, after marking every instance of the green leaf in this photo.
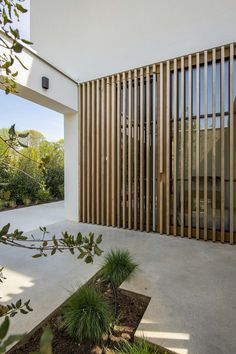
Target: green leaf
(91, 237)
(24, 312)
(17, 47)
(5, 230)
(23, 135)
(14, 74)
(18, 303)
(53, 251)
(21, 8)
(11, 339)
(15, 32)
(37, 255)
(89, 259)
(4, 327)
(85, 239)
(26, 42)
(22, 144)
(55, 240)
(99, 239)
(82, 255)
(97, 250)
(13, 314)
(46, 342)
(12, 131)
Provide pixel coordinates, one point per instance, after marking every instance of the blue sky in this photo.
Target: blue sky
(28, 115)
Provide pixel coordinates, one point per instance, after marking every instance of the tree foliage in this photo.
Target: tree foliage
(31, 168)
(10, 11)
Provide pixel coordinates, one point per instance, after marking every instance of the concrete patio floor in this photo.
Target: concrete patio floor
(31, 218)
(192, 285)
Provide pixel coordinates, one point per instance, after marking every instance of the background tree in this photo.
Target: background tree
(10, 11)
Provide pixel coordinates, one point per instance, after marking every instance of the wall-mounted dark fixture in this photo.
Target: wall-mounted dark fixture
(45, 83)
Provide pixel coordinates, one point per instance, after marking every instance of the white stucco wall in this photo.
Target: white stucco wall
(94, 38)
(62, 95)
(71, 148)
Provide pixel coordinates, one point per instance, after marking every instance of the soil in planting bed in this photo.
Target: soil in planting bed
(130, 309)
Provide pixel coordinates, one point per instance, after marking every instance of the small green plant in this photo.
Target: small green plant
(2, 205)
(44, 195)
(26, 200)
(138, 347)
(45, 342)
(118, 266)
(87, 316)
(12, 204)
(5, 195)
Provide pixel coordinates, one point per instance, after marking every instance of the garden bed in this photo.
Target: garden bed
(130, 309)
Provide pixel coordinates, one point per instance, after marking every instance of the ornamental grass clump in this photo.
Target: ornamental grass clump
(118, 266)
(138, 347)
(87, 316)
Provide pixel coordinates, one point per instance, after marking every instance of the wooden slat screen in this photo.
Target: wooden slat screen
(158, 147)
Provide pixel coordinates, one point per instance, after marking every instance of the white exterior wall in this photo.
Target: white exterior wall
(71, 148)
(62, 96)
(92, 38)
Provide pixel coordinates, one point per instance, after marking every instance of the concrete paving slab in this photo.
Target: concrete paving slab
(191, 283)
(32, 217)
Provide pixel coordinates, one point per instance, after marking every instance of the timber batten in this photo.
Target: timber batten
(158, 147)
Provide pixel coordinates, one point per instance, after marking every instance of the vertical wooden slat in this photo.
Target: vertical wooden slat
(103, 151)
(205, 144)
(84, 155)
(231, 153)
(189, 146)
(141, 149)
(148, 149)
(135, 150)
(108, 151)
(168, 147)
(214, 145)
(80, 154)
(113, 152)
(222, 139)
(161, 144)
(124, 153)
(197, 146)
(182, 146)
(105, 174)
(118, 151)
(175, 148)
(129, 150)
(93, 154)
(88, 118)
(154, 144)
(98, 153)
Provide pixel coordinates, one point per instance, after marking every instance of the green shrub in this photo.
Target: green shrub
(12, 204)
(5, 195)
(26, 200)
(118, 266)
(44, 195)
(54, 179)
(138, 347)
(2, 205)
(61, 191)
(87, 316)
(22, 187)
